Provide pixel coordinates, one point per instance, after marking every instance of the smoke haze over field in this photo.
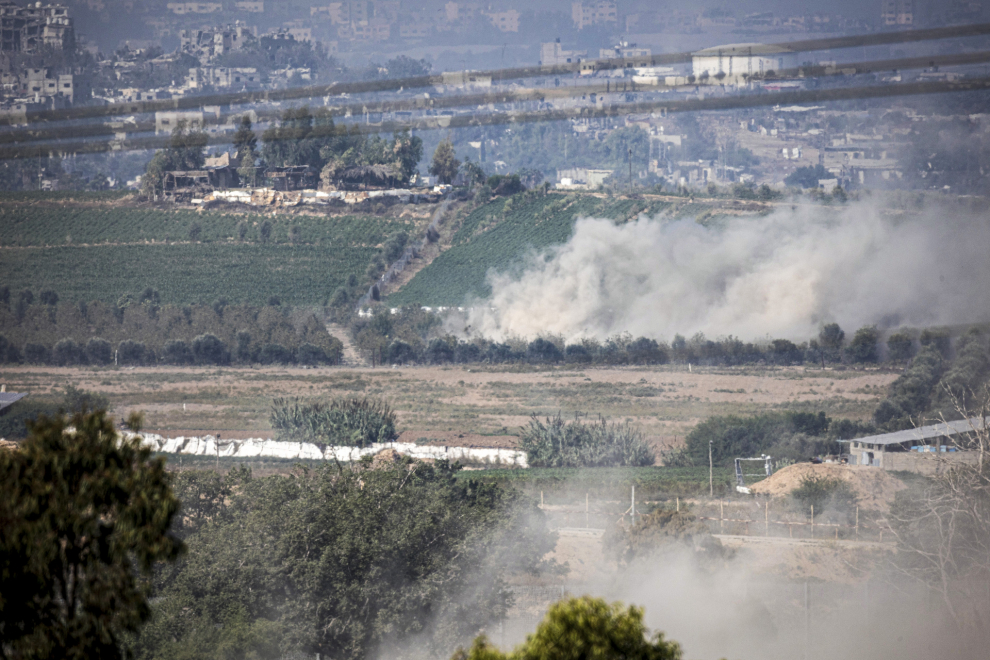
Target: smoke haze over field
(781, 275)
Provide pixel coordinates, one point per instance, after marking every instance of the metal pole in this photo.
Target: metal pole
(632, 508)
(711, 472)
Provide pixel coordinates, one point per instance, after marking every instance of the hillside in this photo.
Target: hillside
(501, 233)
(90, 248)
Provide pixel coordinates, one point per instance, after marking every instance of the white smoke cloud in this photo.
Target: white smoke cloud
(782, 275)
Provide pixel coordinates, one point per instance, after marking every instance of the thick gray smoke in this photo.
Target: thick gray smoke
(781, 275)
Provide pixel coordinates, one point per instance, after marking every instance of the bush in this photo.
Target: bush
(349, 422)
(791, 435)
(99, 351)
(79, 400)
(863, 347)
(131, 352)
(541, 350)
(274, 354)
(67, 352)
(176, 351)
(911, 393)
(900, 347)
(577, 353)
(399, 352)
(210, 349)
(646, 351)
(824, 493)
(438, 352)
(577, 444)
(465, 353)
(310, 354)
(36, 353)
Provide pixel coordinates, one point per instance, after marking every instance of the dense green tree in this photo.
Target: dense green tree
(807, 177)
(83, 513)
(583, 628)
(185, 152)
(444, 165)
(345, 562)
(900, 346)
(863, 347)
(831, 338)
(246, 146)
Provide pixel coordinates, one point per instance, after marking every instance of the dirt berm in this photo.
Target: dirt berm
(874, 488)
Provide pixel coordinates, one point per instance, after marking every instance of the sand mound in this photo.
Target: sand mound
(874, 488)
(385, 458)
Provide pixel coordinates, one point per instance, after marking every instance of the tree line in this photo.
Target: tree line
(137, 329)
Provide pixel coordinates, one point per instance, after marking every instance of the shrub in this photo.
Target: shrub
(399, 352)
(131, 352)
(274, 354)
(67, 352)
(79, 400)
(466, 352)
(438, 352)
(176, 351)
(782, 435)
(646, 351)
(210, 349)
(577, 444)
(863, 347)
(577, 353)
(823, 493)
(350, 422)
(541, 350)
(900, 346)
(36, 353)
(310, 354)
(99, 351)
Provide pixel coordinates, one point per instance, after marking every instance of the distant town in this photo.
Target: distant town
(96, 53)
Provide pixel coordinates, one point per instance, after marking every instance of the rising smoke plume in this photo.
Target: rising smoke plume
(782, 275)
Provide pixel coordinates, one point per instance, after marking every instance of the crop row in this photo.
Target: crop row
(187, 273)
(492, 237)
(56, 225)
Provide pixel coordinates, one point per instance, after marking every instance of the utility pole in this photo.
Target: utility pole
(711, 472)
(629, 159)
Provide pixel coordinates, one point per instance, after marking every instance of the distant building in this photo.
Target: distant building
(373, 30)
(734, 63)
(28, 29)
(220, 77)
(897, 12)
(505, 21)
(624, 50)
(598, 12)
(165, 122)
(206, 44)
(552, 54)
(251, 6)
(194, 7)
(342, 13)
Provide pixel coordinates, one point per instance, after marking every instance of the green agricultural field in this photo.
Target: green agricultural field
(492, 238)
(91, 248)
(186, 273)
(51, 225)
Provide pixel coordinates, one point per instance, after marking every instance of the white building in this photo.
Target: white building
(734, 63)
(552, 54)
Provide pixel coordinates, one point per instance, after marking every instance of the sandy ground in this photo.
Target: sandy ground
(454, 405)
(874, 488)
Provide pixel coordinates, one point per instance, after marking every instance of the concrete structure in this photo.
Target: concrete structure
(552, 54)
(251, 6)
(194, 7)
(505, 21)
(220, 77)
(624, 51)
(936, 439)
(582, 178)
(210, 446)
(165, 122)
(598, 12)
(897, 12)
(734, 63)
(207, 44)
(35, 26)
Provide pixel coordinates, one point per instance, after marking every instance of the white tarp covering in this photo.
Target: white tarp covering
(260, 447)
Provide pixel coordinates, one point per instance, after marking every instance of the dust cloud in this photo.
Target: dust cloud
(780, 275)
